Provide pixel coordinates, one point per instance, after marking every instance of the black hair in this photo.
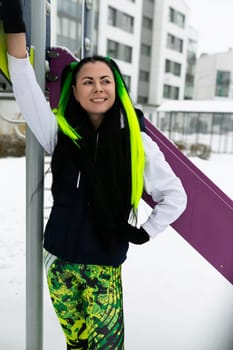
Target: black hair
(73, 108)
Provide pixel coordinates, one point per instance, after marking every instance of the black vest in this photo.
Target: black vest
(70, 232)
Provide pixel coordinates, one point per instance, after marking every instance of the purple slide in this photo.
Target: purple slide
(207, 223)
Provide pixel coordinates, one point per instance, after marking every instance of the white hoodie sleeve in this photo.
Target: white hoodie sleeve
(32, 102)
(165, 188)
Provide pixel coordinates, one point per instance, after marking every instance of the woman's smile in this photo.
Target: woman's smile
(98, 100)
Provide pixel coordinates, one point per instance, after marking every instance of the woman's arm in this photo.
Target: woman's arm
(165, 188)
(32, 103)
(28, 94)
(16, 45)
(30, 98)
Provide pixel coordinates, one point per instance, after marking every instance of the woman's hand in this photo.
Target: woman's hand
(12, 16)
(133, 234)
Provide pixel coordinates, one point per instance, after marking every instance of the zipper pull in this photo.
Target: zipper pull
(78, 180)
(96, 144)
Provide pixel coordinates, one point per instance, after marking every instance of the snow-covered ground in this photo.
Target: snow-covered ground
(174, 299)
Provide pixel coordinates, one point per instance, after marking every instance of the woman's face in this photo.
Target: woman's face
(95, 90)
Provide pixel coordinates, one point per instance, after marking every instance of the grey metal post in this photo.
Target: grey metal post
(87, 28)
(34, 198)
(83, 9)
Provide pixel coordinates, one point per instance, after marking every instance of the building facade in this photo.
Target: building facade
(214, 76)
(168, 51)
(149, 39)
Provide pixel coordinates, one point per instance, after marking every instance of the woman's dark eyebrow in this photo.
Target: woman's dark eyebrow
(86, 77)
(105, 76)
(102, 77)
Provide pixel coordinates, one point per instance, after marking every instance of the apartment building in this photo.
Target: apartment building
(168, 51)
(214, 76)
(149, 39)
(167, 56)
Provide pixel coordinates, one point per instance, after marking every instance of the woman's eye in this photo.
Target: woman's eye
(91, 82)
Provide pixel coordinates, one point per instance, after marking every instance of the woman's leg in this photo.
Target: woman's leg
(104, 307)
(88, 303)
(66, 288)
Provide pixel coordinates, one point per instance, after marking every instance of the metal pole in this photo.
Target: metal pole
(87, 28)
(83, 6)
(89, 25)
(34, 198)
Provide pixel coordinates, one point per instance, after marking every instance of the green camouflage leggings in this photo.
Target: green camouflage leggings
(88, 302)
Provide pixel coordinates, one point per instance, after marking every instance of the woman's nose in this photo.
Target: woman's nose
(98, 87)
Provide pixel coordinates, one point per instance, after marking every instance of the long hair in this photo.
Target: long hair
(68, 110)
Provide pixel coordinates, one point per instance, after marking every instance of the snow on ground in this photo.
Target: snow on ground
(173, 298)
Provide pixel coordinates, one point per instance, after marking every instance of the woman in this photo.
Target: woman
(101, 163)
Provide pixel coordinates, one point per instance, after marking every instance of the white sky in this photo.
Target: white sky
(213, 19)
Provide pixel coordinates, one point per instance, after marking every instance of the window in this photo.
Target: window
(174, 43)
(120, 51)
(144, 75)
(112, 16)
(145, 50)
(68, 8)
(189, 79)
(223, 79)
(126, 53)
(191, 58)
(113, 48)
(176, 17)
(147, 23)
(127, 79)
(171, 92)
(192, 45)
(143, 99)
(72, 29)
(66, 27)
(127, 23)
(120, 20)
(173, 68)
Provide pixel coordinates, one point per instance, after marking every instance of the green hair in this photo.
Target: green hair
(59, 112)
(136, 145)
